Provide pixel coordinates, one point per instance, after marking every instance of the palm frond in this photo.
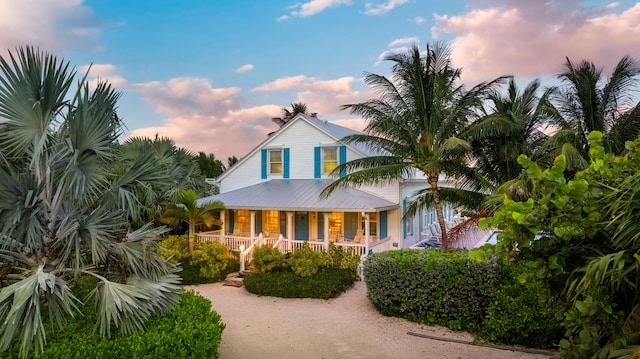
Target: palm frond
(21, 305)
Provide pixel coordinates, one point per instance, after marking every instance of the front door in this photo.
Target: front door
(302, 226)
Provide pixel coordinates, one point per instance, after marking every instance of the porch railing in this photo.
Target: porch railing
(246, 245)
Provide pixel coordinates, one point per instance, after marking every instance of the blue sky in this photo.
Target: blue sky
(211, 74)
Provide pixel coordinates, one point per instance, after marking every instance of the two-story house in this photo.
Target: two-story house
(275, 190)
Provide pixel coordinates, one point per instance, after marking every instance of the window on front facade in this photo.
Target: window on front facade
(271, 222)
(336, 220)
(373, 224)
(329, 159)
(275, 162)
(242, 221)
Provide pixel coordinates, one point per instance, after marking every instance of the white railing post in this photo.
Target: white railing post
(241, 259)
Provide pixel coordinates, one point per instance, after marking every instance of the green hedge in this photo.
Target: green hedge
(432, 287)
(484, 295)
(523, 312)
(325, 283)
(191, 330)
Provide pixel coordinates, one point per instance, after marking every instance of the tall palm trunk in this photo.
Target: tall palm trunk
(192, 239)
(433, 181)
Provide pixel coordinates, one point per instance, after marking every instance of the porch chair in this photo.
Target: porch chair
(358, 237)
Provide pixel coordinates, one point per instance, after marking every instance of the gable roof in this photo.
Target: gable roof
(300, 195)
(332, 130)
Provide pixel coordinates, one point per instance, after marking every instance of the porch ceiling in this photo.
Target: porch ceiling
(300, 195)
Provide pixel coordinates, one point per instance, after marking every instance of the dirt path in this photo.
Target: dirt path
(344, 327)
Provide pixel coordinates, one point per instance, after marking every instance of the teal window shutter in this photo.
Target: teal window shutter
(285, 172)
(317, 162)
(342, 158)
(258, 221)
(320, 224)
(264, 164)
(383, 224)
(231, 221)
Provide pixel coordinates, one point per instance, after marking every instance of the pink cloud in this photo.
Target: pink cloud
(185, 95)
(233, 132)
(532, 38)
(214, 120)
(55, 25)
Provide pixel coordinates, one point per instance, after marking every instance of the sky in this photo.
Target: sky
(210, 74)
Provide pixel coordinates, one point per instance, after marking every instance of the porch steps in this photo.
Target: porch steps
(235, 279)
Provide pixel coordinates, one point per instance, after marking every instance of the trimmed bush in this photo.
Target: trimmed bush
(191, 330)
(303, 273)
(209, 262)
(325, 283)
(266, 258)
(432, 287)
(305, 262)
(523, 313)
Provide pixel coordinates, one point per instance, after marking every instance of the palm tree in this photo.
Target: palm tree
(176, 164)
(187, 210)
(296, 108)
(513, 126)
(209, 165)
(63, 214)
(587, 106)
(415, 125)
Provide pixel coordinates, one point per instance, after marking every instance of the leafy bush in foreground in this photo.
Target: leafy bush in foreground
(524, 313)
(209, 262)
(191, 330)
(326, 283)
(432, 287)
(303, 273)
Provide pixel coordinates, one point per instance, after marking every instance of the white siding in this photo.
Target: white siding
(301, 138)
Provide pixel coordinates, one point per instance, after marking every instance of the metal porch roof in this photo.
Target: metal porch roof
(300, 195)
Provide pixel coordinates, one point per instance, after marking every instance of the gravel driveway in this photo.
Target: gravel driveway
(344, 327)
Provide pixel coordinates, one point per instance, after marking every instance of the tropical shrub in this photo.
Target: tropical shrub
(66, 207)
(431, 287)
(191, 330)
(266, 259)
(209, 262)
(523, 312)
(306, 262)
(583, 235)
(302, 273)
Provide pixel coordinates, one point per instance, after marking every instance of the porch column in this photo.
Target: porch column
(290, 229)
(326, 229)
(222, 230)
(366, 232)
(252, 227)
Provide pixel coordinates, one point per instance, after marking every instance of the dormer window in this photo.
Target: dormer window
(329, 159)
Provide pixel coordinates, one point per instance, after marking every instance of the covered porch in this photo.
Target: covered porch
(289, 213)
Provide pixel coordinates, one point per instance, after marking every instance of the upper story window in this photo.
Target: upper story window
(275, 161)
(329, 159)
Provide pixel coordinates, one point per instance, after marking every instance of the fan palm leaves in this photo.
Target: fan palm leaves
(176, 167)
(63, 212)
(415, 125)
(187, 210)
